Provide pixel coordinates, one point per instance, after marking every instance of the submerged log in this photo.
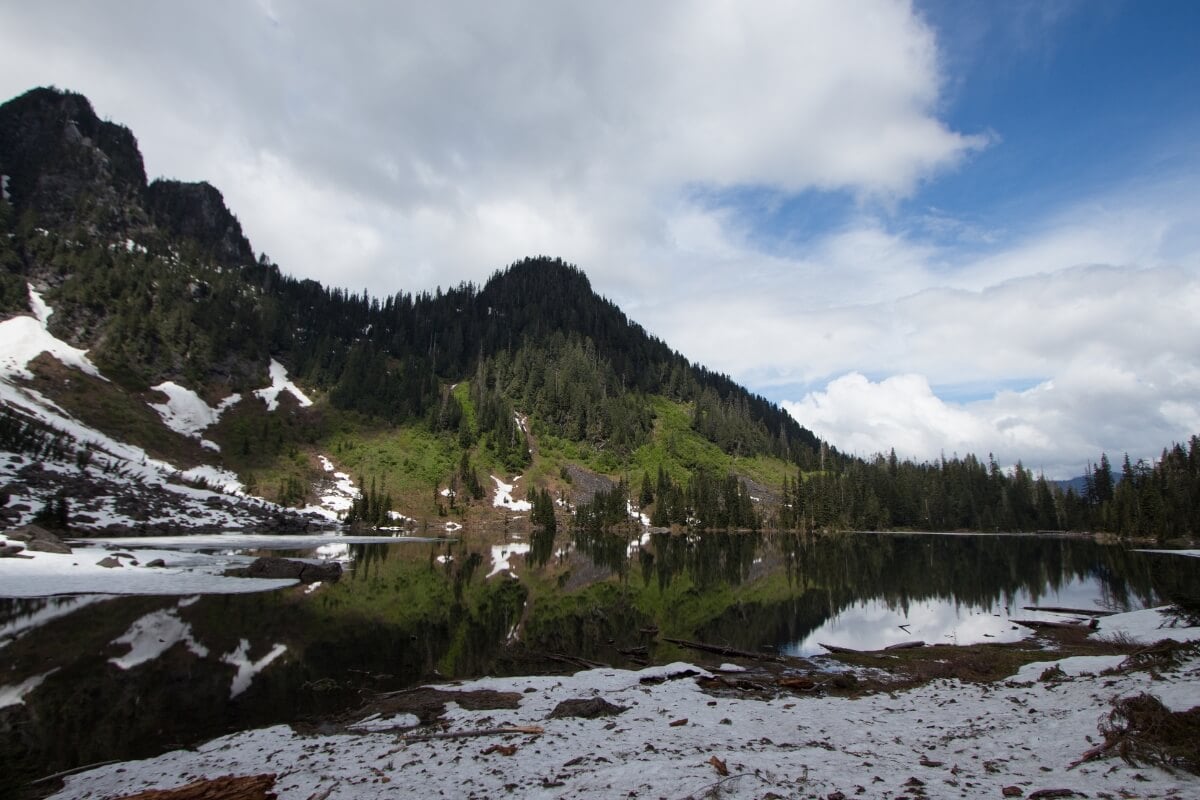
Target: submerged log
(1041, 624)
(850, 651)
(721, 650)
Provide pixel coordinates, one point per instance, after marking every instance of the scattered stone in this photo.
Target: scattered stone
(1012, 791)
(588, 708)
(158, 562)
(108, 562)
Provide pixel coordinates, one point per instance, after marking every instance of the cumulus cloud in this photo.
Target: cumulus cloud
(469, 135)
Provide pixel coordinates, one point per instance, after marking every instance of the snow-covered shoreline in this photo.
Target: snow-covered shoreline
(945, 738)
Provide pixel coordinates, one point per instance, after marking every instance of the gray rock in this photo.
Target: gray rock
(10, 550)
(45, 546)
(108, 561)
(158, 562)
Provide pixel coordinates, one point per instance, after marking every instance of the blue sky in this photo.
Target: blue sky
(939, 227)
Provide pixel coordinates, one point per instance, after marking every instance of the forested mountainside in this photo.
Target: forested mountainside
(418, 395)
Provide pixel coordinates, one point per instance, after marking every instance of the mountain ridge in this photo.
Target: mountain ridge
(428, 399)
(159, 283)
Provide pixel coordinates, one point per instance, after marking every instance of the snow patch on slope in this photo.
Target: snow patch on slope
(336, 495)
(15, 695)
(22, 339)
(504, 498)
(280, 383)
(186, 413)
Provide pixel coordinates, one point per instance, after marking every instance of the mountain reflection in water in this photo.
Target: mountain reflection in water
(497, 603)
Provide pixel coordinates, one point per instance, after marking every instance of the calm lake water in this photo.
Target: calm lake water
(124, 677)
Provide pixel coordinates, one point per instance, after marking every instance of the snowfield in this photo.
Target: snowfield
(137, 491)
(187, 571)
(674, 740)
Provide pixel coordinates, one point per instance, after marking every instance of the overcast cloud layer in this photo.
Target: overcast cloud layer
(406, 145)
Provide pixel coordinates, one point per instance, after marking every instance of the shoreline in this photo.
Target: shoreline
(680, 730)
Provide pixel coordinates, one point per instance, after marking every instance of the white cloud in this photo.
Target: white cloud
(440, 141)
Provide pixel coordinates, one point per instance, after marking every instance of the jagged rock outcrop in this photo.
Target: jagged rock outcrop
(70, 167)
(197, 212)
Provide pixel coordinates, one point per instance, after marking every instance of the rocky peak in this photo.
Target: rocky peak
(197, 211)
(68, 166)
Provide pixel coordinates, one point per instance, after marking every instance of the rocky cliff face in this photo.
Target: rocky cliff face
(70, 167)
(73, 170)
(197, 212)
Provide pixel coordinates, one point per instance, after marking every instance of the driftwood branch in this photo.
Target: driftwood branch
(73, 771)
(1092, 754)
(530, 730)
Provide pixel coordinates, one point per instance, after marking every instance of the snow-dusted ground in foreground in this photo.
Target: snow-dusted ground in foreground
(946, 738)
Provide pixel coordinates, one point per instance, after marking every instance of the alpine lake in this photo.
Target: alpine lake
(495, 602)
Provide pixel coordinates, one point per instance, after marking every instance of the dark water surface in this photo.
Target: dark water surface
(492, 603)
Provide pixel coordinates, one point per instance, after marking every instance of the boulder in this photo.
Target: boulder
(274, 567)
(10, 550)
(45, 546)
(109, 562)
(158, 562)
(27, 533)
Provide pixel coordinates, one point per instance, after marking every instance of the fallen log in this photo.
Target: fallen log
(721, 650)
(1087, 612)
(576, 660)
(229, 787)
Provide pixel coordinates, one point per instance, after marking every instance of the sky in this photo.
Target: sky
(944, 227)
